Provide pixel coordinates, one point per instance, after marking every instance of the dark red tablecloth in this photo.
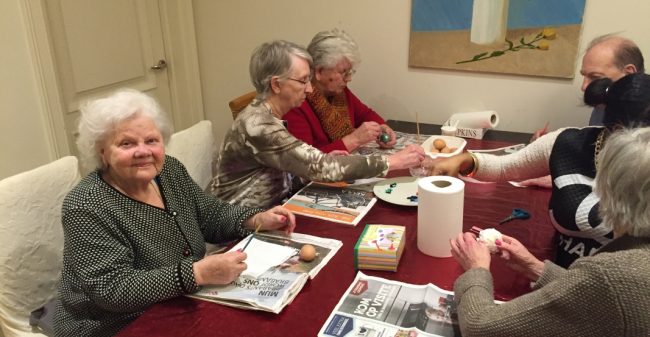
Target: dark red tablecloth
(485, 205)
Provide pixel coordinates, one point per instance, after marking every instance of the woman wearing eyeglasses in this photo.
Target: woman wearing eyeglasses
(332, 117)
(259, 156)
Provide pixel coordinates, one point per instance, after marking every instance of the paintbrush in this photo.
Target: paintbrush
(417, 125)
(257, 228)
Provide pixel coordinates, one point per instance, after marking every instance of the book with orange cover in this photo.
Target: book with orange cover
(340, 202)
(379, 247)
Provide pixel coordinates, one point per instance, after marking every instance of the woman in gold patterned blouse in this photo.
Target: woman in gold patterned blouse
(259, 156)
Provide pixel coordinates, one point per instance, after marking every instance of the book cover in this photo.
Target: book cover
(341, 202)
(379, 247)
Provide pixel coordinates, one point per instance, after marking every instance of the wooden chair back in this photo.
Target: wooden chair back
(238, 104)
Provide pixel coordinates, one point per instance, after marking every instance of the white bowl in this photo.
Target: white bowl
(452, 142)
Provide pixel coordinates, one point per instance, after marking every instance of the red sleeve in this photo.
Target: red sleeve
(303, 124)
(360, 112)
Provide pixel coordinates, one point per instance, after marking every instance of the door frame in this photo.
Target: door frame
(179, 37)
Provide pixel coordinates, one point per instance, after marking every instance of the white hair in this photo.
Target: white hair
(99, 118)
(329, 47)
(623, 182)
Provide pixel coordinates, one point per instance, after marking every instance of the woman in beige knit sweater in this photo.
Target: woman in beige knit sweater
(601, 295)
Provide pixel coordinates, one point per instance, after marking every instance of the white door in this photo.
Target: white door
(102, 45)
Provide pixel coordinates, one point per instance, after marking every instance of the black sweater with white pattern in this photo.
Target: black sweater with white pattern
(121, 255)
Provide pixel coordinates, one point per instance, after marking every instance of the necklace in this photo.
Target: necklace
(599, 146)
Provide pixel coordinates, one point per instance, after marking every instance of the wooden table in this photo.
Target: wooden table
(485, 205)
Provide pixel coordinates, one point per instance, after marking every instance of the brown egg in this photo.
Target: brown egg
(445, 150)
(434, 150)
(307, 253)
(439, 144)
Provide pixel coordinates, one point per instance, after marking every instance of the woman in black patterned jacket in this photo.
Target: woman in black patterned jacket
(135, 228)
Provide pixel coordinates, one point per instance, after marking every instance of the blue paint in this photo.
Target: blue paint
(447, 15)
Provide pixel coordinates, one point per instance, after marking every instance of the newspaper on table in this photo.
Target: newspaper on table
(278, 286)
(403, 139)
(374, 307)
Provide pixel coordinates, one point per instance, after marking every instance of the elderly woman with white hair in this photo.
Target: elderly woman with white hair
(601, 295)
(332, 117)
(135, 228)
(259, 157)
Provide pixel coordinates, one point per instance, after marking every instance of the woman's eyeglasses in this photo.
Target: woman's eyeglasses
(303, 82)
(347, 73)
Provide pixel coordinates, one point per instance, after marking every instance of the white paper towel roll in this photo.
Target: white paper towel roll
(440, 213)
(475, 120)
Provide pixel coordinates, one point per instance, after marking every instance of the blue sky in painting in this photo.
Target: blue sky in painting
(441, 15)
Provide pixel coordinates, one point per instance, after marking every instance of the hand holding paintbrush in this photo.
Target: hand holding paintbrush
(257, 229)
(277, 217)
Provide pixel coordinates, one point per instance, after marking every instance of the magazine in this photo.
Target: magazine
(339, 202)
(373, 307)
(278, 286)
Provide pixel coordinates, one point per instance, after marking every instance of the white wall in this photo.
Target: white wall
(228, 30)
(23, 141)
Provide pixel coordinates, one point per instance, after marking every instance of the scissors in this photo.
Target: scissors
(517, 213)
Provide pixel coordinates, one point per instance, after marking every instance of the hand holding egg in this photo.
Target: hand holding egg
(469, 252)
(489, 236)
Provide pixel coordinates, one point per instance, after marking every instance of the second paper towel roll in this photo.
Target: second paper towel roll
(475, 120)
(440, 213)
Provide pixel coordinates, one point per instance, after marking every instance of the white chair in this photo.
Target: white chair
(194, 147)
(31, 241)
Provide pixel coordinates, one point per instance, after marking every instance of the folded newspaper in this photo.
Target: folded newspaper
(374, 307)
(403, 140)
(277, 287)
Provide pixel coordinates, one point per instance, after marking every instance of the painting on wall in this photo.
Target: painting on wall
(526, 37)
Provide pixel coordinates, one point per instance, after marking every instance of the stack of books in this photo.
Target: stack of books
(380, 247)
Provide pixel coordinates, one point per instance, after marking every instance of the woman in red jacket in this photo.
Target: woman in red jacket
(332, 117)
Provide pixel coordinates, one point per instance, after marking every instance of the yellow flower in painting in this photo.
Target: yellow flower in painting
(543, 45)
(549, 33)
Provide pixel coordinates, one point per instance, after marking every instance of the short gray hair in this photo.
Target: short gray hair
(623, 182)
(329, 47)
(99, 118)
(273, 59)
(625, 51)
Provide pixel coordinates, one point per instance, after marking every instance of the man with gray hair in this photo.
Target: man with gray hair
(609, 56)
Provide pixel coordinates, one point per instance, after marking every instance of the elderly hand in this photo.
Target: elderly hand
(450, 166)
(364, 134)
(277, 217)
(393, 137)
(470, 253)
(410, 156)
(219, 268)
(519, 258)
